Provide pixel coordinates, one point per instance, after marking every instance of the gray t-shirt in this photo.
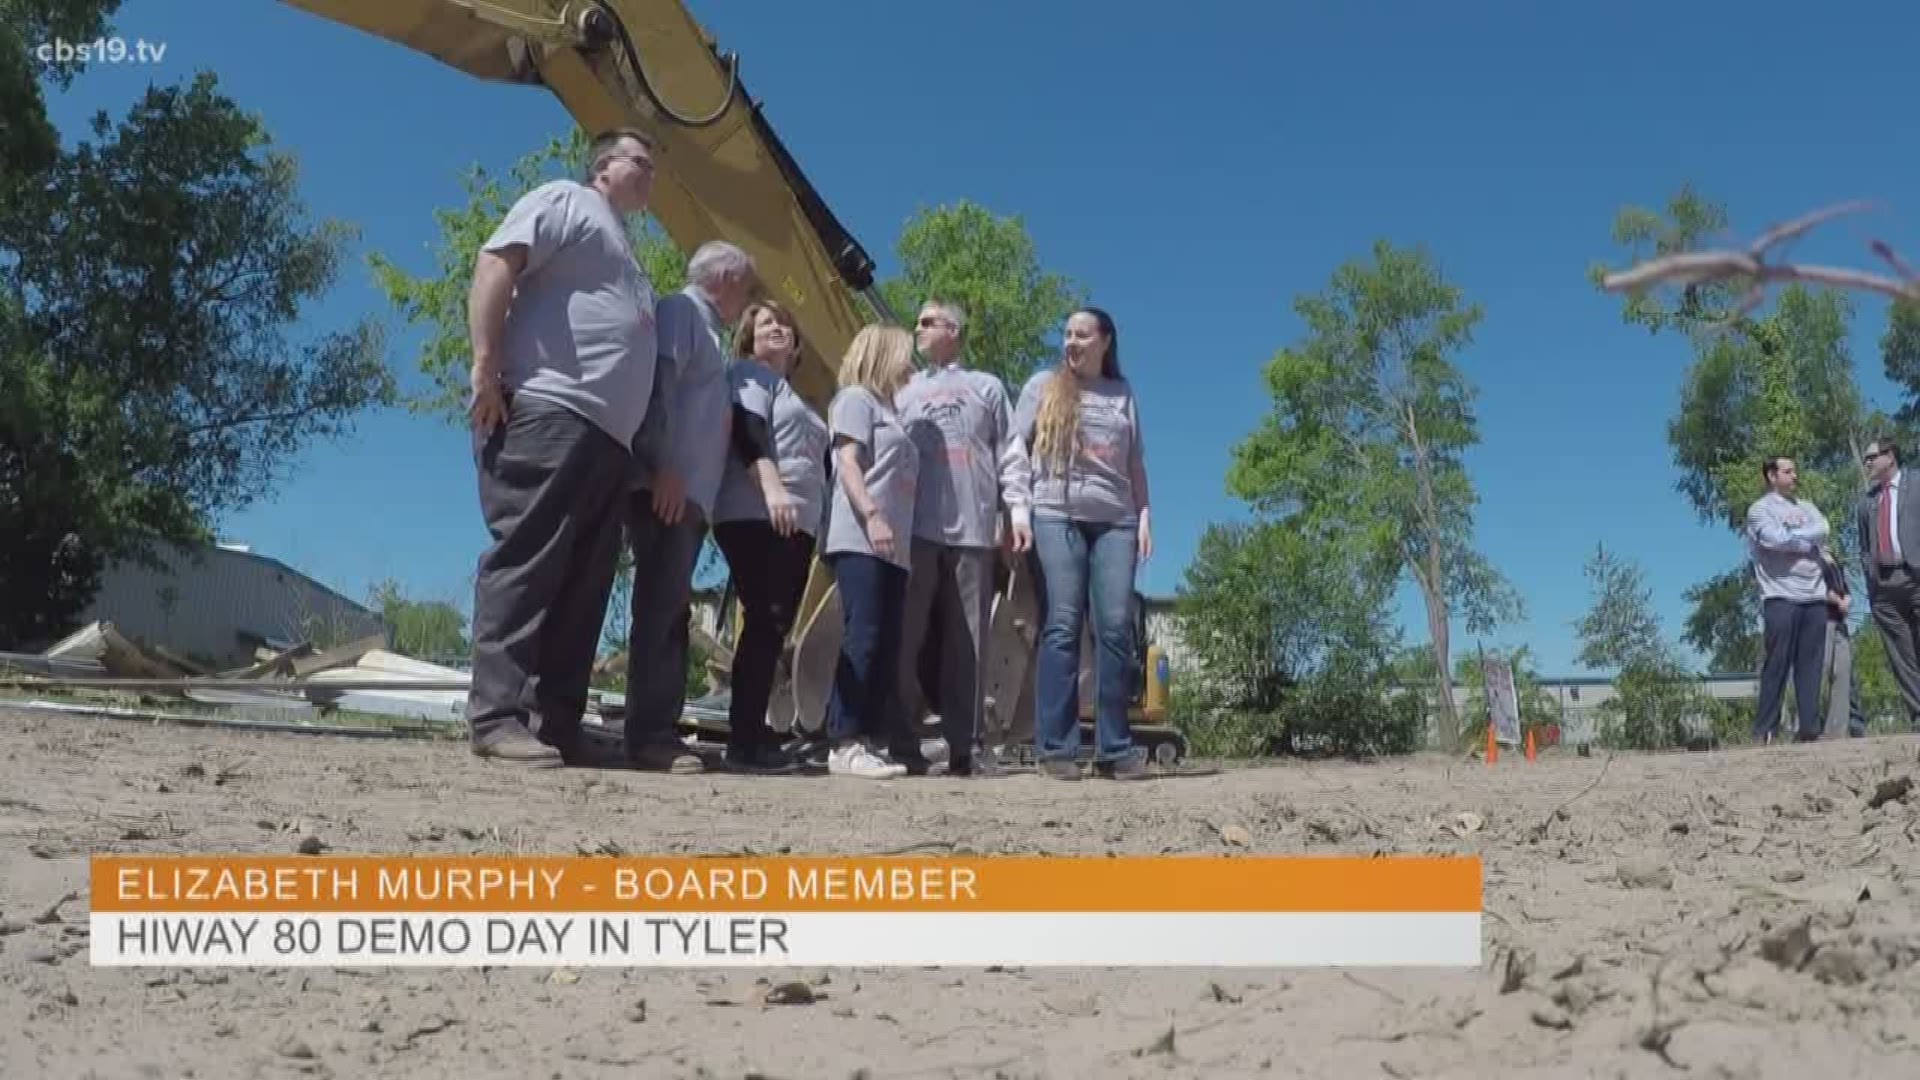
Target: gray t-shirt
(1097, 485)
(580, 327)
(962, 424)
(799, 449)
(890, 465)
(691, 429)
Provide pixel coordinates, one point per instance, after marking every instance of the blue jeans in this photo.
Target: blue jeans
(1079, 560)
(865, 703)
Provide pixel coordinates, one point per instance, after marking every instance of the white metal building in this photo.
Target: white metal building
(215, 605)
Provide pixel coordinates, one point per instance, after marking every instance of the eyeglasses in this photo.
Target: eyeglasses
(928, 322)
(643, 164)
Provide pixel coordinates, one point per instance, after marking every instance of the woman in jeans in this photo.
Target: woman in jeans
(765, 518)
(1090, 530)
(869, 534)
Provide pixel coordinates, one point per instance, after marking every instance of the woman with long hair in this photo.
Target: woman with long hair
(765, 518)
(869, 538)
(1090, 531)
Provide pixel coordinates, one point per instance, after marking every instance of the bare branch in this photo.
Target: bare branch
(1694, 267)
(1799, 226)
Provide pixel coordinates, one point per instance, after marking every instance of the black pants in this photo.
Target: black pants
(865, 703)
(770, 574)
(549, 488)
(664, 558)
(1796, 643)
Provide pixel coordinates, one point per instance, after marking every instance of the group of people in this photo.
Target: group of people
(1805, 599)
(602, 414)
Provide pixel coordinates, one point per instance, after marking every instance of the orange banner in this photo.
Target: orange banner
(436, 883)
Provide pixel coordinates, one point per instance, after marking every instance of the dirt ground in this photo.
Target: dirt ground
(1738, 914)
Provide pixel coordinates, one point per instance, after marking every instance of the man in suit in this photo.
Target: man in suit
(1889, 521)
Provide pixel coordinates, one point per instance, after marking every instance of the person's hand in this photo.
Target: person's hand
(880, 536)
(782, 511)
(1844, 603)
(1146, 538)
(488, 408)
(669, 495)
(1020, 538)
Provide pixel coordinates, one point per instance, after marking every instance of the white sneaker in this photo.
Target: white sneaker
(855, 759)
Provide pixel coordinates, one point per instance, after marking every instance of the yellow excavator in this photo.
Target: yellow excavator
(724, 174)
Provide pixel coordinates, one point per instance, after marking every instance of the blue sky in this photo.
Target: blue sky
(1195, 167)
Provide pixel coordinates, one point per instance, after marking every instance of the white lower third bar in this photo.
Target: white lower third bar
(810, 939)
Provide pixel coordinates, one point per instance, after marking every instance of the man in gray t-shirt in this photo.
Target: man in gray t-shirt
(680, 457)
(971, 462)
(563, 364)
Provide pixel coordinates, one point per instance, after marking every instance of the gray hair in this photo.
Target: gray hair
(716, 259)
(954, 313)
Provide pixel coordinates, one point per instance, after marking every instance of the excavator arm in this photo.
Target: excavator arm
(723, 173)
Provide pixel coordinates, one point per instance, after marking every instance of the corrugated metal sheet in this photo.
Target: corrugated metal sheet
(212, 604)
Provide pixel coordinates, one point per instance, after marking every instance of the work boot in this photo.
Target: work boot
(516, 745)
(666, 757)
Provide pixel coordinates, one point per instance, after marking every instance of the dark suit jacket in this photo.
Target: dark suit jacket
(1907, 525)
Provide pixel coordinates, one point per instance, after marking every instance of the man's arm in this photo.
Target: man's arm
(1769, 532)
(674, 328)
(494, 274)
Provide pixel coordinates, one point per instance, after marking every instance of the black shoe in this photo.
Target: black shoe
(915, 762)
(759, 760)
(1131, 767)
(808, 750)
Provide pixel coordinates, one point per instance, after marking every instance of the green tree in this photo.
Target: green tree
(986, 263)
(426, 629)
(149, 279)
(1371, 419)
(1655, 694)
(437, 301)
(29, 145)
(1900, 357)
(1274, 616)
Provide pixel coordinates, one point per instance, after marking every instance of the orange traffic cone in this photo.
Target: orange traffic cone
(1493, 747)
(1529, 744)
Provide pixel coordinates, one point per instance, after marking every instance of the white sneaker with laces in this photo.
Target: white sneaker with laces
(855, 759)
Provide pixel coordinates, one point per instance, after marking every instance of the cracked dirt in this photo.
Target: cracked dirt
(1751, 913)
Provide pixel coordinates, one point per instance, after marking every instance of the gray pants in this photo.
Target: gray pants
(1843, 693)
(1896, 611)
(549, 489)
(955, 585)
(664, 557)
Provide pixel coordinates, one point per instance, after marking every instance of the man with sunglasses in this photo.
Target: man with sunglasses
(971, 462)
(564, 344)
(1889, 520)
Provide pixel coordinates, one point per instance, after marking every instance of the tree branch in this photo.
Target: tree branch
(1693, 267)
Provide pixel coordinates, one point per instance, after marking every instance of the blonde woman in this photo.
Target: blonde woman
(1090, 531)
(765, 519)
(869, 536)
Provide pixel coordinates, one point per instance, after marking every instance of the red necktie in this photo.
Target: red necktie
(1884, 530)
